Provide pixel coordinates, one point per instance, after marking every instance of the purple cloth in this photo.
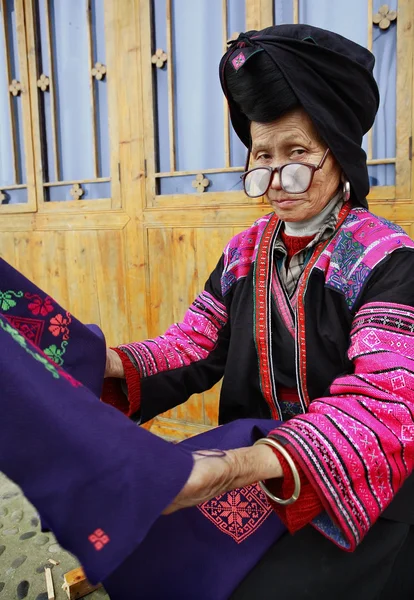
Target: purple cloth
(99, 482)
(203, 552)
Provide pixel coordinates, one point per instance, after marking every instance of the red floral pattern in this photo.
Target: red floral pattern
(59, 326)
(39, 306)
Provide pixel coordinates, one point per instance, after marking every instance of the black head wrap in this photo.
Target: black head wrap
(325, 73)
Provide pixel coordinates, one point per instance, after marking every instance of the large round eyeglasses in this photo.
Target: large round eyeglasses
(295, 178)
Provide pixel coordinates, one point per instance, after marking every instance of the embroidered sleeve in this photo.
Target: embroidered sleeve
(188, 358)
(357, 446)
(307, 506)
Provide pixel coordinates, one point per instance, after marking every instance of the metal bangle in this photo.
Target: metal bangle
(289, 460)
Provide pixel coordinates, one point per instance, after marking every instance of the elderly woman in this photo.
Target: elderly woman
(309, 318)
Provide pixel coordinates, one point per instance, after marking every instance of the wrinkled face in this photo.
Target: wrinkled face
(293, 138)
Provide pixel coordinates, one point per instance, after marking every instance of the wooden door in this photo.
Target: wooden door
(193, 205)
(78, 143)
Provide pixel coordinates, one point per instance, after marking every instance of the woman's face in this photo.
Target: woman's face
(293, 138)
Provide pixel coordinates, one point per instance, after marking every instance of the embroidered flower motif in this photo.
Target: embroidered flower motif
(43, 82)
(99, 539)
(239, 61)
(39, 306)
(384, 17)
(6, 299)
(59, 326)
(55, 353)
(238, 513)
(99, 71)
(159, 58)
(200, 183)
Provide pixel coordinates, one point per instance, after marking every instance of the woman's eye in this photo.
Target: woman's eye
(263, 157)
(298, 152)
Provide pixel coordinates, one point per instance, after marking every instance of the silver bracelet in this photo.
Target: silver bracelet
(296, 478)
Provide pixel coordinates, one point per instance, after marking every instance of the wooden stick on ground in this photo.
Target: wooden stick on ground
(49, 584)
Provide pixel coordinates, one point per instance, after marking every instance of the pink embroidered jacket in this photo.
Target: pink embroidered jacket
(345, 339)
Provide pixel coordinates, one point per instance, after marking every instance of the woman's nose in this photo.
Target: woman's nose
(275, 181)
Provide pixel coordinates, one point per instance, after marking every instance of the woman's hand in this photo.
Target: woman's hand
(215, 472)
(114, 367)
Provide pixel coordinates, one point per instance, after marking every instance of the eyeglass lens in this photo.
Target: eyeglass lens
(295, 179)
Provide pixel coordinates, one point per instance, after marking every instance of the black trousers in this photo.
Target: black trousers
(307, 565)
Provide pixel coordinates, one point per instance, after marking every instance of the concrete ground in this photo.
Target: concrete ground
(25, 550)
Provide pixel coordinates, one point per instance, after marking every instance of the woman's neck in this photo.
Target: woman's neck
(314, 225)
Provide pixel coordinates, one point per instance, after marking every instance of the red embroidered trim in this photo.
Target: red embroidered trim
(113, 394)
(307, 506)
(300, 318)
(262, 291)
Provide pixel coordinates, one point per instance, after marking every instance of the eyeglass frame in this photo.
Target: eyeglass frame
(279, 169)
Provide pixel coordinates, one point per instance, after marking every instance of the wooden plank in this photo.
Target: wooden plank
(80, 181)
(160, 284)
(92, 89)
(405, 96)
(33, 70)
(39, 256)
(266, 13)
(239, 216)
(382, 192)
(170, 68)
(185, 288)
(205, 172)
(86, 221)
(25, 96)
(52, 91)
(25, 246)
(132, 134)
(54, 267)
(211, 242)
(225, 25)
(205, 200)
(148, 113)
(160, 288)
(108, 260)
(7, 248)
(112, 83)
(9, 75)
(369, 46)
(77, 206)
(296, 11)
(82, 287)
(76, 584)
